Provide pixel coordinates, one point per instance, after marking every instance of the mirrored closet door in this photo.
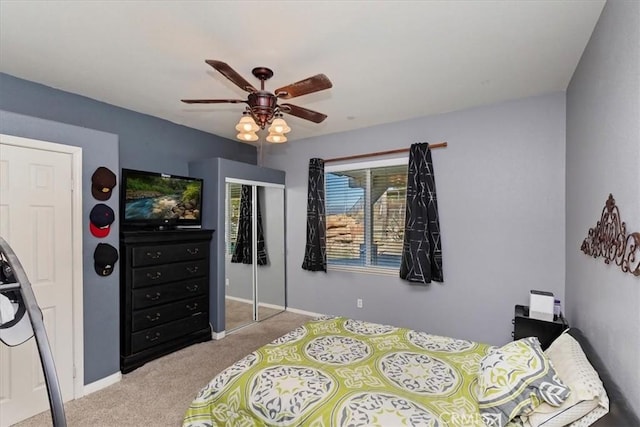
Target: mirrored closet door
(254, 252)
(270, 277)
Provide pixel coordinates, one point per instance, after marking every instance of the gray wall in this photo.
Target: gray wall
(238, 280)
(101, 294)
(214, 171)
(146, 142)
(113, 137)
(501, 198)
(603, 156)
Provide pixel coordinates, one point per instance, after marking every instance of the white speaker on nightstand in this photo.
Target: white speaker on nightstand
(541, 305)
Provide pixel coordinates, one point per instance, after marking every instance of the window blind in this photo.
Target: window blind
(234, 194)
(365, 211)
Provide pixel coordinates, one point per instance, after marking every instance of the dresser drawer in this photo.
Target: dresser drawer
(164, 292)
(147, 276)
(171, 292)
(163, 333)
(162, 254)
(158, 315)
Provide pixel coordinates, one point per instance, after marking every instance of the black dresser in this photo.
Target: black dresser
(525, 326)
(164, 293)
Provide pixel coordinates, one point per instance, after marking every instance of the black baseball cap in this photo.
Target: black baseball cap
(100, 220)
(105, 257)
(102, 182)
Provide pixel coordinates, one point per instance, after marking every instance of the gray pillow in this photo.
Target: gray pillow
(515, 379)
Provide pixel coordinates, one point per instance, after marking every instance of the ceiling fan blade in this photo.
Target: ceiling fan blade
(303, 113)
(312, 84)
(213, 101)
(231, 74)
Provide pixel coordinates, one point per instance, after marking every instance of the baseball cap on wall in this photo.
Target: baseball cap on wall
(100, 220)
(102, 182)
(104, 259)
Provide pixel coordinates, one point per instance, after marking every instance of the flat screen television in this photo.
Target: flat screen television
(152, 200)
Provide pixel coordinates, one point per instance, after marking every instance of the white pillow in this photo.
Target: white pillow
(588, 400)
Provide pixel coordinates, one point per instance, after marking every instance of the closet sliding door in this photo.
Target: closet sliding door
(238, 271)
(270, 276)
(254, 252)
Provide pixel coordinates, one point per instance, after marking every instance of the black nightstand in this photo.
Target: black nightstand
(524, 326)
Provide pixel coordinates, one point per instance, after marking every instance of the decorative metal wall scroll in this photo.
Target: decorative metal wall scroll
(609, 239)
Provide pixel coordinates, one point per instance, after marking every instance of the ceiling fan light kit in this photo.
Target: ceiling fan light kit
(279, 126)
(276, 138)
(262, 106)
(247, 124)
(247, 136)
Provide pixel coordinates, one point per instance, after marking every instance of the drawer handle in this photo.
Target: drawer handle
(192, 288)
(153, 338)
(193, 251)
(192, 307)
(513, 321)
(154, 318)
(155, 255)
(192, 270)
(154, 276)
(153, 297)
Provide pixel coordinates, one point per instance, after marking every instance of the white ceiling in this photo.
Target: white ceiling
(388, 60)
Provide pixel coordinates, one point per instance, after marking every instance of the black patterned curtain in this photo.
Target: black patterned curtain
(421, 250)
(315, 253)
(242, 252)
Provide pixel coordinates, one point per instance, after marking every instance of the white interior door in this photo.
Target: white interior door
(36, 220)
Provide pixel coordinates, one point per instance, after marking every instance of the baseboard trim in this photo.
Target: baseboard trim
(102, 383)
(260, 304)
(248, 301)
(304, 312)
(272, 306)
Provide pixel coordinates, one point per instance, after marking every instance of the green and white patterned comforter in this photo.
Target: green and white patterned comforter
(344, 372)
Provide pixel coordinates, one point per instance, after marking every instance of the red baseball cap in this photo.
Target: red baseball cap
(100, 220)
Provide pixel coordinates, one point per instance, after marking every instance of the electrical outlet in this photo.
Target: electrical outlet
(359, 303)
(226, 281)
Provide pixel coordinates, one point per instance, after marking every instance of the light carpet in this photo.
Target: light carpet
(158, 393)
(239, 313)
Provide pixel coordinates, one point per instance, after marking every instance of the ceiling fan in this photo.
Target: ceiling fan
(262, 105)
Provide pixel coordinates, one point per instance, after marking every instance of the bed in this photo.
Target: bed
(335, 371)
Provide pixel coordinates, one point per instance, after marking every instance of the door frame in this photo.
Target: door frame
(76, 242)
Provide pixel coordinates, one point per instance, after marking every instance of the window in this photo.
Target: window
(365, 208)
(234, 196)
